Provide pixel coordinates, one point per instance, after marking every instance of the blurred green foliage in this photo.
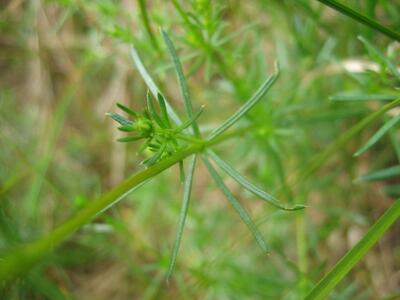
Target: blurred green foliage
(65, 63)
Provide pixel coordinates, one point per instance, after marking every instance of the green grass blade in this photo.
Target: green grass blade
(347, 97)
(182, 216)
(146, 23)
(151, 85)
(245, 108)
(378, 135)
(236, 205)
(321, 158)
(381, 174)
(347, 262)
(182, 81)
(379, 55)
(361, 18)
(248, 185)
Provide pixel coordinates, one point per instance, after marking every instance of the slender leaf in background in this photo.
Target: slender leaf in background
(246, 107)
(395, 142)
(378, 135)
(347, 262)
(182, 81)
(383, 174)
(236, 205)
(151, 85)
(189, 122)
(349, 97)
(361, 18)
(380, 56)
(319, 160)
(248, 185)
(392, 190)
(146, 23)
(182, 216)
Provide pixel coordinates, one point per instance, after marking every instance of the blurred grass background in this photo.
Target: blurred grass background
(64, 64)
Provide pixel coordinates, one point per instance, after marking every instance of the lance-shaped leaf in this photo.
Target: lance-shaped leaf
(349, 97)
(379, 55)
(120, 119)
(151, 85)
(152, 160)
(152, 111)
(182, 81)
(191, 121)
(163, 108)
(236, 205)
(383, 174)
(126, 128)
(246, 107)
(378, 135)
(127, 110)
(182, 216)
(129, 139)
(248, 185)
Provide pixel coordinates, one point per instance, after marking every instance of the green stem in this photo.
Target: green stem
(17, 261)
(347, 262)
(361, 18)
(146, 23)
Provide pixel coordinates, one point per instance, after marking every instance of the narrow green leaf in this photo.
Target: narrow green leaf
(182, 81)
(395, 142)
(182, 216)
(152, 160)
(127, 110)
(381, 174)
(361, 18)
(189, 122)
(382, 57)
(347, 262)
(249, 186)
(164, 112)
(126, 128)
(151, 85)
(236, 205)
(152, 111)
(146, 23)
(378, 135)
(120, 119)
(129, 139)
(246, 107)
(392, 190)
(362, 97)
(342, 140)
(181, 171)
